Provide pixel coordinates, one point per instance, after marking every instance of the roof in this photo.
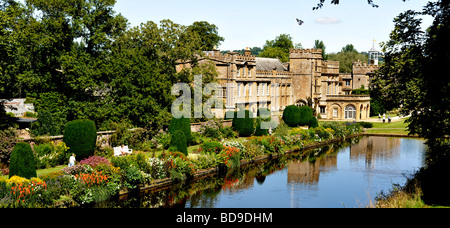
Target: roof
(269, 64)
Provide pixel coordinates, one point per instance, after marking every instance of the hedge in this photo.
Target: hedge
(80, 136)
(23, 163)
(178, 143)
(306, 113)
(244, 126)
(291, 116)
(182, 124)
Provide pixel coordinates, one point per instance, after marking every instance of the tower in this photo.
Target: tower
(374, 55)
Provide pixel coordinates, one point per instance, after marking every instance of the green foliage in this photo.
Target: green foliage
(244, 126)
(179, 142)
(80, 136)
(291, 115)
(313, 123)
(208, 33)
(181, 124)
(45, 125)
(8, 139)
(22, 161)
(346, 57)
(306, 113)
(211, 147)
(278, 48)
(318, 44)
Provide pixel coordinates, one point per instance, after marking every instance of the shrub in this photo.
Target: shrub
(80, 136)
(306, 113)
(179, 142)
(259, 131)
(313, 123)
(244, 126)
(8, 138)
(181, 124)
(94, 161)
(291, 115)
(212, 147)
(23, 163)
(211, 129)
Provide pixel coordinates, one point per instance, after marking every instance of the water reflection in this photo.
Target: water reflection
(346, 174)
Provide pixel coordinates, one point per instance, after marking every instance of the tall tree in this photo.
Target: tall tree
(278, 48)
(208, 33)
(318, 44)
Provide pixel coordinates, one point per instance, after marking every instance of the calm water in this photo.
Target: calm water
(337, 176)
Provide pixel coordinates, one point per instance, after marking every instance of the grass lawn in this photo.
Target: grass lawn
(399, 127)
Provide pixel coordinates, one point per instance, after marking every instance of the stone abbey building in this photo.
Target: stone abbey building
(253, 82)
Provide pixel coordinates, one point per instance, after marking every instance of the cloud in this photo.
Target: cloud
(327, 20)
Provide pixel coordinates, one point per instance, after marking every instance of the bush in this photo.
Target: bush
(313, 123)
(244, 126)
(306, 113)
(179, 142)
(8, 138)
(22, 163)
(291, 116)
(181, 124)
(80, 136)
(212, 147)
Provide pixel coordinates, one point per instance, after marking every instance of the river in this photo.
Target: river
(343, 175)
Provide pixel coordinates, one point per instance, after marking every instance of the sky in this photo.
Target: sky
(249, 23)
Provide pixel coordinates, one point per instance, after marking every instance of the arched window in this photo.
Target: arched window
(350, 112)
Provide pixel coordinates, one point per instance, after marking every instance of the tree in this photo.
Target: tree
(278, 48)
(346, 57)
(318, 44)
(22, 163)
(336, 2)
(208, 33)
(81, 136)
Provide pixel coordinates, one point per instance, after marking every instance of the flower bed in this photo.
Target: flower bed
(97, 179)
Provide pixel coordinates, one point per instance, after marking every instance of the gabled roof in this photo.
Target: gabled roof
(269, 64)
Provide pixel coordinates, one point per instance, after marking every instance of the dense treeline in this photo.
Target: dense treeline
(78, 59)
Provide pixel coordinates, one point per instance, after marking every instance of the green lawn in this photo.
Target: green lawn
(399, 127)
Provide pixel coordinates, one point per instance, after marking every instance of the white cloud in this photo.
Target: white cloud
(327, 20)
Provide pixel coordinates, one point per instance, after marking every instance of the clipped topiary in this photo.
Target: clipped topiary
(313, 123)
(291, 116)
(181, 124)
(306, 113)
(80, 136)
(243, 123)
(179, 142)
(22, 161)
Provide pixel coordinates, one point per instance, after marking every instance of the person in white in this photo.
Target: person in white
(123, 151)
(72, 160)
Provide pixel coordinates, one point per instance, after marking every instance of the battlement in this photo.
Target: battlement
(305, 53)
(363, 68)
(312, 50)
(229, 57)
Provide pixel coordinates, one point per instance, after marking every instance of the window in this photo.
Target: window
(243, 71)
(268, 89)
(350, 112)
(245, 90)
(250, 89)
(328, 88)
(347, 83)
(257, 89)
(263, 88)
(323, 110)
(239, 90)
(335, 112)
(238, 72)
(249, 72)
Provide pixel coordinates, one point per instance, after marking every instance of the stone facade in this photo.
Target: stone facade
(252, 82)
